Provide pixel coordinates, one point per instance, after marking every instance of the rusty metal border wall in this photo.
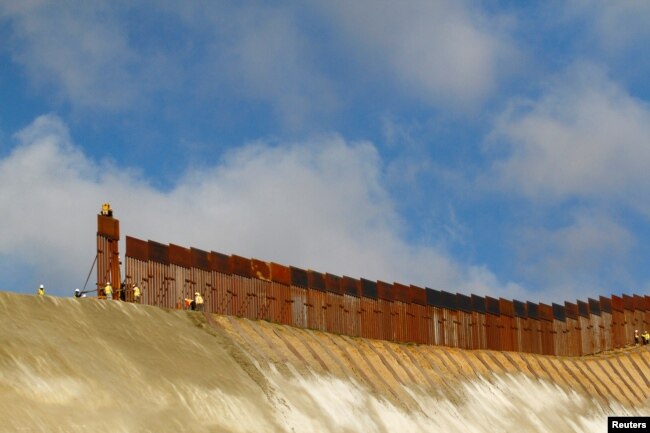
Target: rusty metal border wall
(108, 258)
(251, 288)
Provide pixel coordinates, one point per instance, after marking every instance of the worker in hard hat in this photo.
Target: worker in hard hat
(108, 290)
(79, 294)
(106, 210)
(646, 337)
(637, 339)
(41, 290)
(198, 299)
(136, 293)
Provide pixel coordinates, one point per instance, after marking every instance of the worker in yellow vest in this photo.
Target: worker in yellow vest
(106, 210)
(198, 300)
(41, 290)
(646, 337)
(108, 290)
(136, 294)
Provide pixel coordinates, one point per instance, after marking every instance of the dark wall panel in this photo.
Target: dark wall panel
(158, 253)
(520, 308)
(492, 306)
(639, 303)
(449, 300)
(220, 263)
(401, 292)
(583, 309)
(559, 312)
(434, 298)
(605, 305)
(464, 303)
(136, 248)
(571, 310)
(240, 266)
(333, 284)
(200, 259)
(369, 289)
(478, 304)
(628, 302)
(594, 307)
(316, 280)
(350, 286)
(385, 291)
(180, 256)
(418, 295)
(299, 277)
(506, 307)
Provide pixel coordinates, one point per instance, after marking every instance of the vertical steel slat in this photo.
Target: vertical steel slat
(464, 320)
(585, 335)
(423, 325)
(597, 330)
(628, 320)
(365, 317)
(384, 318)
(478, 330)
(202, 284)
(608, 340)
(264, 301)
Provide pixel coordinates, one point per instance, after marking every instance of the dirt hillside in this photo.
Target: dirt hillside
(85, 365)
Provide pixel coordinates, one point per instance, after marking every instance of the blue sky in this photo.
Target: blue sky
(488, 147)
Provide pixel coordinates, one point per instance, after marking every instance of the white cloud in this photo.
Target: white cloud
(318, 205)
(442, 51)
(270, 59)
(585, 137)
(95, 55)
(616, 26)
(584, 256)
(578, 153)
(81, 52)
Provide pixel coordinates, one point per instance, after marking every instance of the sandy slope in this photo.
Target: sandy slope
(84, 365)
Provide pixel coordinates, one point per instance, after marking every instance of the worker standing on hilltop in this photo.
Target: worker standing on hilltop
(646, 337)
(108, 290)
(41, 290)
(198, 299)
